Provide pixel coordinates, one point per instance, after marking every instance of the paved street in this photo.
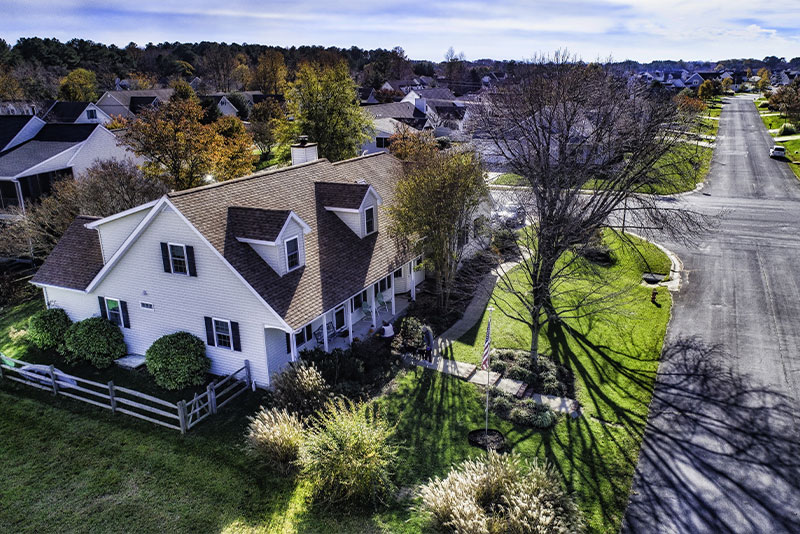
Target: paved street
(721, 452)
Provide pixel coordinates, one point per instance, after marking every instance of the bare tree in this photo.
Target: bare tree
(594, 149)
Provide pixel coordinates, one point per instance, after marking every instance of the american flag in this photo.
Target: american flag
(486, 345)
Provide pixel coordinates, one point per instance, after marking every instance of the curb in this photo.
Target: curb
(675, 278)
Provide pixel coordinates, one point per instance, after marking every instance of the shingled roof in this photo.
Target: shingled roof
(65, 111)
(339, 195)
(256, 223)
(75, 260)
(338, 263)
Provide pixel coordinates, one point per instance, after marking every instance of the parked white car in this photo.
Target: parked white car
(777, 152)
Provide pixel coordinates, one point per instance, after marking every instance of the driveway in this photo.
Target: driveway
(721, 452)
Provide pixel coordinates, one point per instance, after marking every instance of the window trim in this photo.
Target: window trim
(308, 335)
(121, 323)
(230, 333)
(286, 252)
(147, 306)
(185, 258)
(91, 114)
(374, 221)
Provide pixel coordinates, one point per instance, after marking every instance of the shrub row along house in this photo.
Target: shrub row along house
(259, 267)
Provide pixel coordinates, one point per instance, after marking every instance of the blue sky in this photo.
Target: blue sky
(623, 29)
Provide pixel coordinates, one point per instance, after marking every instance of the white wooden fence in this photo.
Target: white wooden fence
(181, 415)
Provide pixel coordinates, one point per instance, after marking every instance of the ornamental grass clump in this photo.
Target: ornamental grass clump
(499, 494)
(301, 389)
(273, 439)
(349, 456)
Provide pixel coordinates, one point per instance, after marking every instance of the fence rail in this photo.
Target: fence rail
(179, 415)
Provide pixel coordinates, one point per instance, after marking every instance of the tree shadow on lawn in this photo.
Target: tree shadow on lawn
(721, 454)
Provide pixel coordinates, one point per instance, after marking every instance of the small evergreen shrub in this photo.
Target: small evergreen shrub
(336, 366)
(348, 455)
(300, 389)
(178, 360)
(787, 129)
(47, 328)
(94, 340)
(499, 493)
(273, 439)
(504, 242)
(499, 366)
(502, 405)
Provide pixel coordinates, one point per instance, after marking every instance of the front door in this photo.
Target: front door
(338, 318)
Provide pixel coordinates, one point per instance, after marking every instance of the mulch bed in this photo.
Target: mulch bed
(493, 440)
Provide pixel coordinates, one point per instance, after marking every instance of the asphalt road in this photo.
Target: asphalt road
(721, 452)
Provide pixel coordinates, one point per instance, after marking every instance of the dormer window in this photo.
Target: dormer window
(292, 253)
(91, 114)
(369, 220)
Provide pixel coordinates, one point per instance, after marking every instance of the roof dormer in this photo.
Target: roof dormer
(355, 204)
(275, 235)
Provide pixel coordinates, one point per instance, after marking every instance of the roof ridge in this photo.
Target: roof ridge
(362, 157)
(254, 175)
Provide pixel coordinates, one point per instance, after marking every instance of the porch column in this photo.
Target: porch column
(349, 322)
(393, 293)
(411, 277)
(325, 331)
(294, 346)
(19, 197)
(372, 305)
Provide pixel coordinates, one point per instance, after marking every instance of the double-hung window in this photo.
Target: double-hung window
(222, 333)
(91, 114)
(304, 335)
(369, 220)
(292, 253)
(177, 258)
(114, 311)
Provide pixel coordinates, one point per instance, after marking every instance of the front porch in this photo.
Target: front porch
(362, 327)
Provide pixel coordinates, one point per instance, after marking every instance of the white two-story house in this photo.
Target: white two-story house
(259, 267)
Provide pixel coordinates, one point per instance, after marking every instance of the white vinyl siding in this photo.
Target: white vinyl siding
(114, 233)
(180, 302)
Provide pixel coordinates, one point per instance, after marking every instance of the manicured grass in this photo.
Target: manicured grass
(614, 359)
(793, 153)
(71, 467)
(509, 178)
(15, 317)
(773, 122)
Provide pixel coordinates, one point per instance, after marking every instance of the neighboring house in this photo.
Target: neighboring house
(16, 129)
(53, 152)
(127, 104)
(75, 113)
(405, 112)
(440, 105)
(366, 95)
(697, 79)
(17, 107)
(403, 86)
(259, 268)
(384, 129)
(223, 104)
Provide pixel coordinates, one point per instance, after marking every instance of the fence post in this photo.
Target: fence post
(112, 397)
(211, 391)
(182, 415)
(53, 378)
(247, 374)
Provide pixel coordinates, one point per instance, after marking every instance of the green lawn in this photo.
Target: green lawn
(71, 467)
(509, 178)
(793, 153)
(16, 318)
(773, 122)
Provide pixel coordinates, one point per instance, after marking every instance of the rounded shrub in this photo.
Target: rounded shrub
(787, 129)
(300, 389)
(499, 493)
(410, 335)
(94, 340)
(273, 439)
(348, 455)
(178, 360)
(47, 328)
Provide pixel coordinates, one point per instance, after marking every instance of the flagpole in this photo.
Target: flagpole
(488, 368)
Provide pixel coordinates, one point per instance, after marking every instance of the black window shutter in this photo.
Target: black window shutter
(125, 320)
(288, 344)
(165, 258)
(210, 332)
(237, 343)
(190, 261)
(102, 302)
